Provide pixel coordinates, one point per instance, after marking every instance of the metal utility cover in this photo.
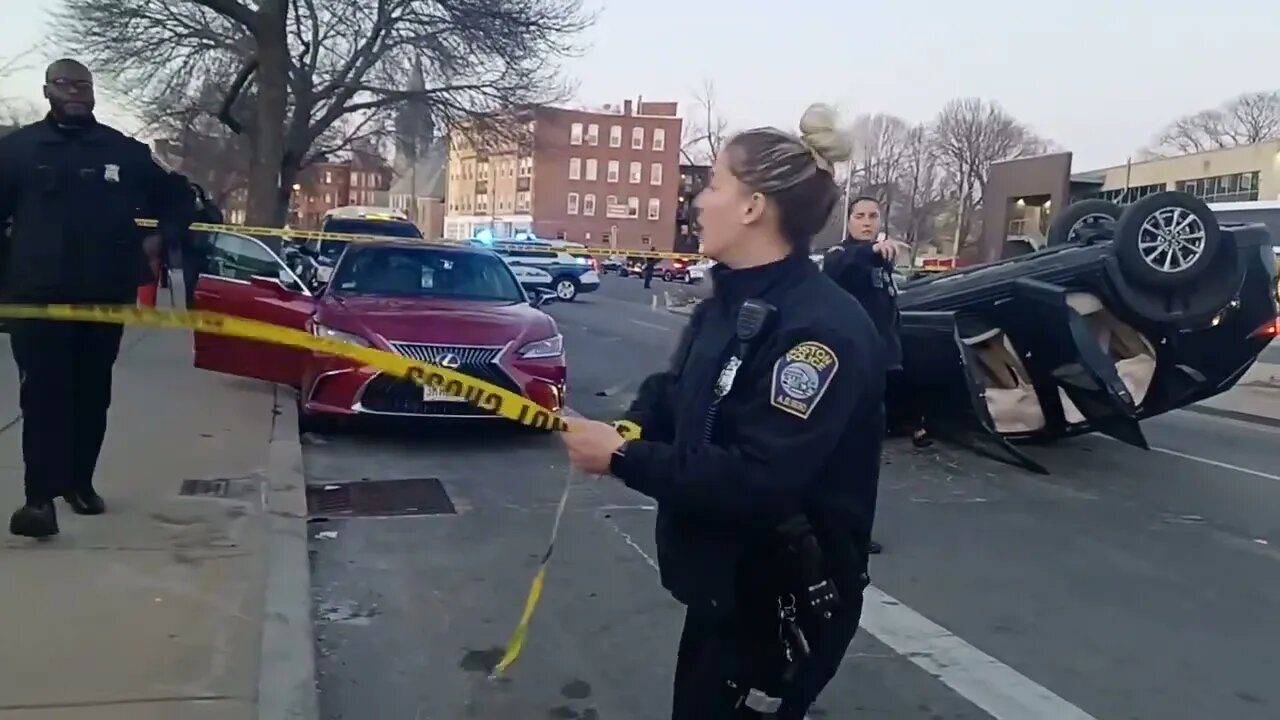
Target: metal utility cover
(380, 498)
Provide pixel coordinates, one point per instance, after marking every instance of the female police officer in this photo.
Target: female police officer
(762, 437)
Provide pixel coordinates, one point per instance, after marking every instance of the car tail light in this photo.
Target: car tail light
(1269, 329)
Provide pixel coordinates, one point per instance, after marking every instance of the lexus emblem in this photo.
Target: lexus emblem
(449, 360)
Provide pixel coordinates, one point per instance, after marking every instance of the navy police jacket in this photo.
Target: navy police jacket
(799, 430)
(856, 267)
(72, 194)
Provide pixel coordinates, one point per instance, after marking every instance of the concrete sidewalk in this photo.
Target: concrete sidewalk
(169, 606)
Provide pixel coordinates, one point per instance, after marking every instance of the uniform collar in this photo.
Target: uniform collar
(57, 132)
(734, 286)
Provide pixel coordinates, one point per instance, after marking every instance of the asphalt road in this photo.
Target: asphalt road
(1125, 585)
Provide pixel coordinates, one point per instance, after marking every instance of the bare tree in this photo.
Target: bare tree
(706, 133)
(1243, 120)
(14, 112)
(880, 144)
(320, 67)
(203, 149)
(921, 181)
(970, 134)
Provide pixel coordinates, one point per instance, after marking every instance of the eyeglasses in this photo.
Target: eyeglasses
(69, 84)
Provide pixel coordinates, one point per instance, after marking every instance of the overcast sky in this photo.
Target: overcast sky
(1099, 78)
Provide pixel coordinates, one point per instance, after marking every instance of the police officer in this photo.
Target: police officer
(196, 246)
(761, 442)
(70, 186)
(649, 265)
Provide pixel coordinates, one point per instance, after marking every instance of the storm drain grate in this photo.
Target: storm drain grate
(380, 498)
(206, 488)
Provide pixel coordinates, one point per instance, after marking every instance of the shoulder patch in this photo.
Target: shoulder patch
(801, 377)
(835, 249)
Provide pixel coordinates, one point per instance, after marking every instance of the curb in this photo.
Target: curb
(287, 666)
(1237, 415)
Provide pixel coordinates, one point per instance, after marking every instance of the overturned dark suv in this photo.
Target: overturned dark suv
(1132, 313)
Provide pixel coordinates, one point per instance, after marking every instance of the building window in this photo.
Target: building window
(659, 139)
(633, 207)
(328, 177)
(612, 209)
(592, 168)
(573, 203)
(612, 175)
(655, 174)
(593, 134)
(522, 201)
(615, 136)
(655, 208)
(635, 176)
(526, 167)
(561, 235)
(575, 168)
(1124, 196)
(589, 204)
(1238, 187)
(646, 240)
(637, 138)
(575, 134)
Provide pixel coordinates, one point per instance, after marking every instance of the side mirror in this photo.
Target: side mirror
(278, 285)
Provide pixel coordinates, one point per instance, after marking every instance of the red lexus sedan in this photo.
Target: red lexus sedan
(457, 307)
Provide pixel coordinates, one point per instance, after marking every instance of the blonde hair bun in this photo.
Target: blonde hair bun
(819, 129)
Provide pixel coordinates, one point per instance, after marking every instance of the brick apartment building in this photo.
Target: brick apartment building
(362, 180)
(606, 177)
(693, 178)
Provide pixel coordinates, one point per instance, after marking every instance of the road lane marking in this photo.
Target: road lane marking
(1001, 691)
(1207, 461)
(1218, 464)
(655, 326)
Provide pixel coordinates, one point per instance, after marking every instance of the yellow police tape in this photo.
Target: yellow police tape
(294, 234)
(497, 400)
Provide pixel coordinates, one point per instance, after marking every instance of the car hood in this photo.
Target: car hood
(435, 321)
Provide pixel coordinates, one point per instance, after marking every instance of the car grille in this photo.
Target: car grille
(388, 394)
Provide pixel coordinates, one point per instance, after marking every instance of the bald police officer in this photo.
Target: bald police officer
(71, 187)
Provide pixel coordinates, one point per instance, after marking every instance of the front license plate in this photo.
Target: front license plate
(433, 395)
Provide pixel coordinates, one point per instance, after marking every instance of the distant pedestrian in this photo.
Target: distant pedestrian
(72, 188)
(648, 272)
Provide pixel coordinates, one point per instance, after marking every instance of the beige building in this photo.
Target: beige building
(1238, 174)
(1022, 195)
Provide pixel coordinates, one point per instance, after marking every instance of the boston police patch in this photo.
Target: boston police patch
(801, 377)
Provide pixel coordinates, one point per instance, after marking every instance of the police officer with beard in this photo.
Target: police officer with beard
(761, 442)
(71, 187)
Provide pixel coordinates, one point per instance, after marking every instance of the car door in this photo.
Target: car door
(1061, 353)
(941, 372)
(245, 279)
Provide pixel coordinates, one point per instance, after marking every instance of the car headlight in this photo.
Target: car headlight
(546, 348)
(329, 333)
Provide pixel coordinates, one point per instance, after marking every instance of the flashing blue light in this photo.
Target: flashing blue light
(484, 236)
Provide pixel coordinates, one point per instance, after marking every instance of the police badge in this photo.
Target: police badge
(111, 173)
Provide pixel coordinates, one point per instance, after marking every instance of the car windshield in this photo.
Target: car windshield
(425, 272)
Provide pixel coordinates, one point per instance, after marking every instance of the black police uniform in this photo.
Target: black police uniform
(798, 430)
(71, 193)
(864, 274)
